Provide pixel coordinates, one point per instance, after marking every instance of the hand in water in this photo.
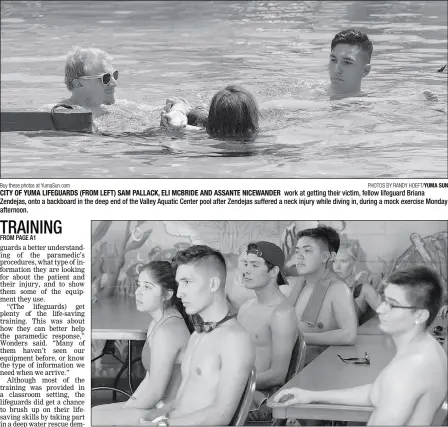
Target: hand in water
(292, 396)
(174, 116)
(179, 104)
(174, 120)
(443, 311)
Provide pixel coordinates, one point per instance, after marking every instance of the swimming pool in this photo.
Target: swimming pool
(273, 48)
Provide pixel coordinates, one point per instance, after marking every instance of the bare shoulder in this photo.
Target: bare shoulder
(234, 337)
(400, 369)
(174, 322)
(283, 308)
(434, 355)
(234, 331)
(234, 348)
(173, 329)
(339, 288)
(426, 362)
(367, 288)
(284, 312)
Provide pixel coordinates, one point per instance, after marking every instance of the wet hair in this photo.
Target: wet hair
(354, 37)
(423, 288)
(198, 116)
(324, 234)
(233, 112)
(163, 275)
(79, 61)
(202, 255)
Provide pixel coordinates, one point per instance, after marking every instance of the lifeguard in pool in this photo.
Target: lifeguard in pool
(90, 77)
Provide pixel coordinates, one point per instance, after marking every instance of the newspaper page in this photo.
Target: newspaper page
(223, 213)
(66, 253)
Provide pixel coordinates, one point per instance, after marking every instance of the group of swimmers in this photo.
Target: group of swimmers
(233, 111)
(199, 379)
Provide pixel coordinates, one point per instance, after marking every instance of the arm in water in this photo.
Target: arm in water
(177, 113)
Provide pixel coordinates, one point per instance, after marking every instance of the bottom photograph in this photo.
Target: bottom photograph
(269, 322)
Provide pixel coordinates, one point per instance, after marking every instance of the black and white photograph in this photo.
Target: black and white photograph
(269, 322)
(223, 89)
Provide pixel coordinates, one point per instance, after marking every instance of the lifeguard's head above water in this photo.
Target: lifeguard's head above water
(233, 112)
(90, 77)
(351, 51)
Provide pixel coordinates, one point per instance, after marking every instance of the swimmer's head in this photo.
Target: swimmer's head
(233, 112)
(157, 288)
(80, 70)
(201, 276)
(418, 288)
(351, 51)
(315, 248)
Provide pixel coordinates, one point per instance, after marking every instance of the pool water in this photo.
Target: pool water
(275, 49)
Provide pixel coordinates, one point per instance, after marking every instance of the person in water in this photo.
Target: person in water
(413, 386)
(219, 356)
(166, 342)
(349, 63)
(90, 77)
(92, 80)
(233, 112)
(350, 56)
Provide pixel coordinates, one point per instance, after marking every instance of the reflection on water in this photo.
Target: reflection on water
(275, 49)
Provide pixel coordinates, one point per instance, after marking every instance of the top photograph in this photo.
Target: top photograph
(224, 89)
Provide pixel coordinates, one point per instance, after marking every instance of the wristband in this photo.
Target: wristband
(161, 421)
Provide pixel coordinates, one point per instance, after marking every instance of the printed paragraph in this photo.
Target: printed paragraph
(42, 335)
(374, 194)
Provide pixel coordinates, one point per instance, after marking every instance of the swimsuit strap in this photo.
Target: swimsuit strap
(356, 290)
(158, 325)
